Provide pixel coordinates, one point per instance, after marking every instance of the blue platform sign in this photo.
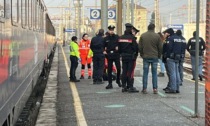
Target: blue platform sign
(176, 27)
(95, 13)
(70, 30)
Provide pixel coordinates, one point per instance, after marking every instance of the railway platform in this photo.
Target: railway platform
(84, 104)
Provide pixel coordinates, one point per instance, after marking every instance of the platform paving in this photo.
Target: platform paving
(103, 107)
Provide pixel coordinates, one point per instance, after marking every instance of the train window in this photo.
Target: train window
(30, 13)
(23, 13)
(37, 15)
(2, 4)
(34, 14)
(14, 11)
(42, 19)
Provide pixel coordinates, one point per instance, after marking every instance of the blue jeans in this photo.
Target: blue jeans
(181, 70)
(146, 64)
(200, 66)
(174, 76)
(162, 67)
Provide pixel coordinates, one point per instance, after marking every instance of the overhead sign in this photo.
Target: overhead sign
(111, 14)
(70, 30)
(176, 26)
(96, 14)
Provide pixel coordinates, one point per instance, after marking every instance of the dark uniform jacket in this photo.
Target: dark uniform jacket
(111, 42)
(172, 48)
(184, 46)
(97, 45)
(127, 46)
(191, 46)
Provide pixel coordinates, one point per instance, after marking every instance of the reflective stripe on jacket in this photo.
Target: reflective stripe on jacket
(84, 47)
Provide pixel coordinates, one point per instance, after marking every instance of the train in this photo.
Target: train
(27, 38)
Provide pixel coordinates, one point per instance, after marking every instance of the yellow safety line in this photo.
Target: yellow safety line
(81, 121)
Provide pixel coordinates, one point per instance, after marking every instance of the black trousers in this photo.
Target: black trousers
(74, 64)
(98, 67)
(127, 67)
(110, 65)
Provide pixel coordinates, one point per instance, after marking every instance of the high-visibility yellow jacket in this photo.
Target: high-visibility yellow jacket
(90, 53)
(74, 49)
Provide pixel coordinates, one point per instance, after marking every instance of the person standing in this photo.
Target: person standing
(112, 52)
(172, 52)
(184, 45)
(134, 32)
(127, 49)
(162, 66)
(84, 47)
(150, 46)
(97, 47)
(74, 58)
(191, 49)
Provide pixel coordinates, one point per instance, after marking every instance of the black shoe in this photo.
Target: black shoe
(109, 86)
(89, 77)
(200, 77)
(180, 84)
(94, 81)
(170, 91)
(193, 79)
(165, 88)
(177, 91)
(124, 90)
(119, 84)
(74, 80)
(161, 74)
(82, 77)
(100, 82)
(133, 90)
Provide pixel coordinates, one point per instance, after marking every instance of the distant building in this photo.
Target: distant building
(189, 28)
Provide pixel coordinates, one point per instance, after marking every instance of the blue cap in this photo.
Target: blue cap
(128, 25)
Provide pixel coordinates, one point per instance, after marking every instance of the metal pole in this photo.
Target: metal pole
(189, 11)
(128, 16)
(170, 19)
(104, 14)
(197, 57)
(79, 17)
(69, 16)
(124, 13)
(119, 17)
(132, 11)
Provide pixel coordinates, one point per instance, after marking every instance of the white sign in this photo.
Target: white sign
(112, 14)
(95, 14)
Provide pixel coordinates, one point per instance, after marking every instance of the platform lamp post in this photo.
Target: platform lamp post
(78, 5)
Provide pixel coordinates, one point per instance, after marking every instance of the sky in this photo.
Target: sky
(176, 8)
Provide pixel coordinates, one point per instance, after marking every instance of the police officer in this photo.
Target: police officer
(127, 49)
(191, 49)
(184, 45)
(74, 58)
(172, 53)
(97, 47)
(134, 32)
(112, 52)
